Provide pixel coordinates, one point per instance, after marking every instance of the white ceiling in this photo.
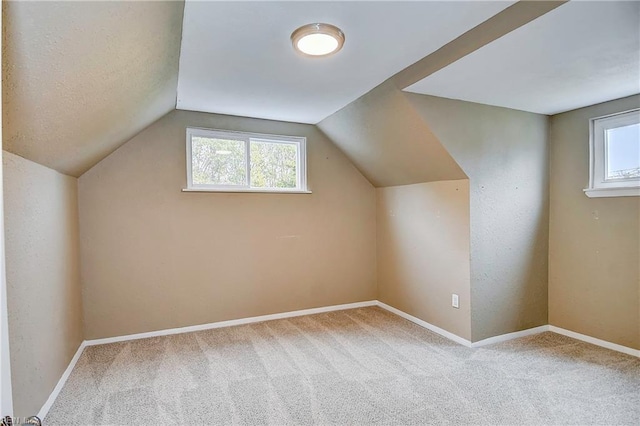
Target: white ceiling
(579, 54)
(236, 57)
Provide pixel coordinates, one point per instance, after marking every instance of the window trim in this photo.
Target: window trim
(247, 137)
(599, 185)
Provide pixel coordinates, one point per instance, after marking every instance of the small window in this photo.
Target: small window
(245, 162)
(615, 155)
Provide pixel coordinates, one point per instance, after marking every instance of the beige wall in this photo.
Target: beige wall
(80, 78)
(154, 257)
(43, 285)
(594, 243)
(387, 140)
(505, 155)
(423, 252)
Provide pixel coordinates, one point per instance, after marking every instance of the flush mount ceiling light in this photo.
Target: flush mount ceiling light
(317, 39)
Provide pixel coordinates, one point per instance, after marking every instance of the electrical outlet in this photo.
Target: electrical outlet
(455, 301)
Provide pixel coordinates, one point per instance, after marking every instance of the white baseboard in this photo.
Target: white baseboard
(595, 341)
(491, 340)
(230, 323)
(56, 391)
(426, 325)
(510, 336)
(462, 340)
(63, 379)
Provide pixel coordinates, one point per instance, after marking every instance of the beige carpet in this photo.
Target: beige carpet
(362, 366)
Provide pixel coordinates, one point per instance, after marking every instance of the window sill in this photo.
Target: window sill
(251, 191)
(632, 191)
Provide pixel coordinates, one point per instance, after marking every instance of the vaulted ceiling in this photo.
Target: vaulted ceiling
(81, 78)
(579, 54)
(237, 58)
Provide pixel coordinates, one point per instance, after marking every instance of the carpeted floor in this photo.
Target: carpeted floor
(362, 366)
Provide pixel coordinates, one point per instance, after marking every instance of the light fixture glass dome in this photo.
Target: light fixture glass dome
(317, 39)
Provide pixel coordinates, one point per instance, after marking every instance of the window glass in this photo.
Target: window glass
(218, 161)
(614, 155)
(623, 152)
(273, 164)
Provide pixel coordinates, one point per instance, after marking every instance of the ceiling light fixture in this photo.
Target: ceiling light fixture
(317, 39)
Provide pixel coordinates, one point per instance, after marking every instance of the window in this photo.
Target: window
(614, 169)
(245, 162)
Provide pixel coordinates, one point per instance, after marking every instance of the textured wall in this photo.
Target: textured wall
(154, 257)
(6, 397)
(594, 243)
(387, 140)
(80, 78)
(423, 252)
(43, 282)
(505, 154)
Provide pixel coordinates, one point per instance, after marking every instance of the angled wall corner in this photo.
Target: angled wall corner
(43, 278)
(505, 154)
(80, 79)
(422, 207)
(386, 139)
(397, 139)
(422, 244)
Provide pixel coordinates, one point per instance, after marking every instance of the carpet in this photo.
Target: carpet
(355, 367)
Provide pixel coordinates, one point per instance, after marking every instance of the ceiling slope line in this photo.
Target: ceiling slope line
(80, 79)
(262, 76)
(175, 105)
(510, 19)
(388, 141)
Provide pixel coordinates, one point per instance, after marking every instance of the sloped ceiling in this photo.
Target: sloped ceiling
(237, 58)
(387, 140)
(580, 54)
(383, 134)
(81, 78)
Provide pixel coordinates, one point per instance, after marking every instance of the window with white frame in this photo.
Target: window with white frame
(615, 155)
(219, 160)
